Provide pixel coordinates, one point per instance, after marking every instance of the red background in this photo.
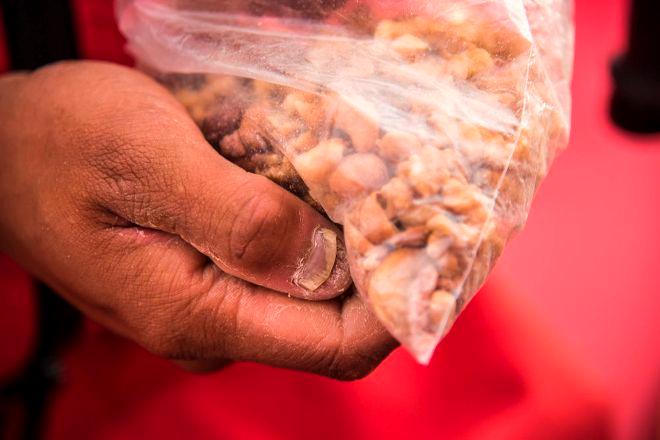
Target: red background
(589, 258)
(563, 342)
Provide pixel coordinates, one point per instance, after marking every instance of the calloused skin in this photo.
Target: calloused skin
(110, 194)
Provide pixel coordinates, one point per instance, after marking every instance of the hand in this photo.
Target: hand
(110, 194)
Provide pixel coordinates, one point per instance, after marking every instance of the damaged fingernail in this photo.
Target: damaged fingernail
(316, 267)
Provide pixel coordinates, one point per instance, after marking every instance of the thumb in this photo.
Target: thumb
(254, 230)
(250, 227)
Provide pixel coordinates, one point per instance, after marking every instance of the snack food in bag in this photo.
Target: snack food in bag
(423, 127)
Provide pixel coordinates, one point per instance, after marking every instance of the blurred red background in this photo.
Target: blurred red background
(563, 341)
(589, 258)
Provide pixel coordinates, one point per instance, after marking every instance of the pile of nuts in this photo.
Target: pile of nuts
(425, 217)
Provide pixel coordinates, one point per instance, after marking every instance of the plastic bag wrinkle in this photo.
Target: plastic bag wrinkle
(424, 128)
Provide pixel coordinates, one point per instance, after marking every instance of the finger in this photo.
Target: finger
(255, 230)
(339, 339)
(172, 180)
(157, 290)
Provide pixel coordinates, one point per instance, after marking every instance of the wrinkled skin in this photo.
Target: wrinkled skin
(110, 194)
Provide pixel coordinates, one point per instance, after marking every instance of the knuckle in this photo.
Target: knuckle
(107, 122)
(133, 181)
(258, 228)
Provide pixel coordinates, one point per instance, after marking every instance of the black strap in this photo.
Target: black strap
(39, 32)
(58, 323)
(635, 104)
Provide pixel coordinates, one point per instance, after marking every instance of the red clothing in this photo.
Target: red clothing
(496, 375)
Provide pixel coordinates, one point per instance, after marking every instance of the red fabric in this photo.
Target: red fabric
(589, 254)
(16, 302)
(499, 374)
(4, 62)
(16, 318)
(98, 35)
(496, 376)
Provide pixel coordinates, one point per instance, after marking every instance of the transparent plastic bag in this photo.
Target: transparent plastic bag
(423, 127)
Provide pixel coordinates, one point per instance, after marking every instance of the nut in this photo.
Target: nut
(470, 62)
(397, 195)
(428, 170)
(403, 277)
(438, 245)
(361, 126)
(413, 237)
(390, 29)
(301, 144)
(223, 118)
(478, 60)
(418, 215)
(503, 43)
(266, 90)
(231, 146)
(415, 208)
(459, 234)
(441, 225)
(442, 307)
(250, 131)
(396, 146)
(410, 47)
(372, 221)
(306, 107)
(316, 164)
(451, 266)
(358, 174)
(355, 240)
(459, 197)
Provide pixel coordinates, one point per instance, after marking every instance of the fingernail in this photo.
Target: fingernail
(316, 267)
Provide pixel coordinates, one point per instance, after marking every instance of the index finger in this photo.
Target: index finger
(340, 338)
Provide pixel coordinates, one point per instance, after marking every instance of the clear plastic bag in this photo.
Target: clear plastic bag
(423, 127)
